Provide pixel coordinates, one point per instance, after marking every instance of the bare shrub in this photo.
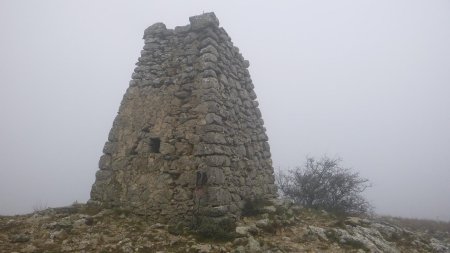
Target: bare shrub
(40, 206)
(325, 184)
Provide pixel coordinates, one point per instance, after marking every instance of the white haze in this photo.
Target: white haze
(368, 81)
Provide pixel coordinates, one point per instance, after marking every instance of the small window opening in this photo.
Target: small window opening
(155, 143)
(202, 179)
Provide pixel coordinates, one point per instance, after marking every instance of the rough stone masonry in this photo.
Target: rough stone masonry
(188, 138)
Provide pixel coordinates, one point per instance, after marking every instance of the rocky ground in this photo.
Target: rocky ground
(275, 228)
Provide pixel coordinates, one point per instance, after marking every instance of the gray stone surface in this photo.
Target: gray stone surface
(188, 137)
(203, 21)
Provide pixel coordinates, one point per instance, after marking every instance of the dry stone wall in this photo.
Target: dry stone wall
(188, 138)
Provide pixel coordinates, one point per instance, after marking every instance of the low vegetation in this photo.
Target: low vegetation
(216, 229)
(432, 227)
(279, 227)
(253, 207)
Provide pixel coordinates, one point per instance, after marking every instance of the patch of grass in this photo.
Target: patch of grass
(122, 211)
(222, 229)
(176, 229)
(145, 250)
(40, 206)
(421, 225)
(331, 235)
(340, 223)
(274, 226)
(350, 244)
(356, 245)
(254, 207)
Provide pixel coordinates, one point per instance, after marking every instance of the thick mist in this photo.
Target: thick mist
(364, 80)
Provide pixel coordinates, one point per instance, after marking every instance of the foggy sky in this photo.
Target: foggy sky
(368, 81)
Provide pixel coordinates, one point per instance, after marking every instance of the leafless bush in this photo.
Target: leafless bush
(325, 184)
(40, 206)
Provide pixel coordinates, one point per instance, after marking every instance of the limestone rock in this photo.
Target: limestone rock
(119, 230)
(154, 29)
(243, 230)
(253, 245)
(203, 21)
(201, 248)
(320, 232)
(20, 238)
(438, 246)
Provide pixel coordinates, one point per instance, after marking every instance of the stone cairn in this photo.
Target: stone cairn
(188, 139)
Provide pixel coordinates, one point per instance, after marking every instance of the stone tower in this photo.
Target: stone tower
(188, 138)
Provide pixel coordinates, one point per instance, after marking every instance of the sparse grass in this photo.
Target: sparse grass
(340, 223)
(122, 211)
(176, 229)
(315, 216)
(40, 206)
(110, 227)
(349, 244)
(356, 245)
(91, 210)
(420, 225)
(253, 207)
(274, 226)
(213, 229)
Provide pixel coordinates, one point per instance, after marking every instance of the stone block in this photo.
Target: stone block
(217, 160)
(212, 118)
(154, 29)
(208, 57)
(166, 148)
(218, 196)
(208, 83)
(208, 73)
(110, 148)
(186, 178)
(182, 29)
(215, 176)
(102, 175)
(209, 41)
(202, 149)
(209, 49)
(105, 162)
(202, 21)
(214, 138)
